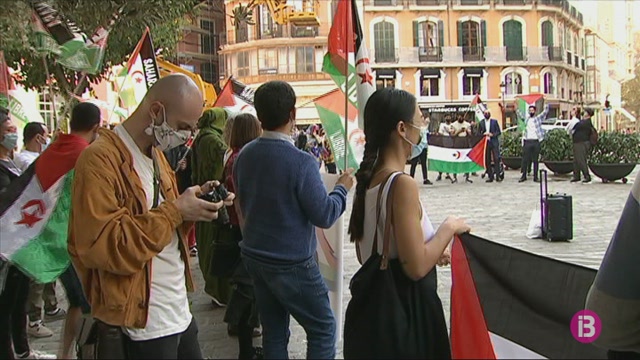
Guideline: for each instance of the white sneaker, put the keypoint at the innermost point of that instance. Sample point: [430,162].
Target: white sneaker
[38,330]
[35,354]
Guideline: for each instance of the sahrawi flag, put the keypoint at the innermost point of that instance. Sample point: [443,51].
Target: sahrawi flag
[615,293]
[478,108]
[457,155]
[347,62]
[510,304]
[522,105]
[331,110]
[139,74]
[56,35]
[236,98]
[34,213]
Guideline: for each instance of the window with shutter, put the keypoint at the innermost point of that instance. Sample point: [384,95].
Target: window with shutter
[512,38]
[384,42]
[470,41]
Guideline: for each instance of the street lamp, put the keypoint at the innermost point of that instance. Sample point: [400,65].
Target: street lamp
[503,88]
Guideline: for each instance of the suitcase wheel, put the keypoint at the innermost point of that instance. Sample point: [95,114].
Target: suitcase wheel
[624,180]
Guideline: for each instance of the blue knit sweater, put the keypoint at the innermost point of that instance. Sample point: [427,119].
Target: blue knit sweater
[282,197]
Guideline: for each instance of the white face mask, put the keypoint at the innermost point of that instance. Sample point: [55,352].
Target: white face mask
[46,144]
[166,137]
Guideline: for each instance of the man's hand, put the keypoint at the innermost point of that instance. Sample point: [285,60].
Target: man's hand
[445,258]
[489,134]
[194,209]
[182,164]
[346,179]
[210,185]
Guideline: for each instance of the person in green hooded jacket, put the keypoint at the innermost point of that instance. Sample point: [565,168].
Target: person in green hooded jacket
[208,163]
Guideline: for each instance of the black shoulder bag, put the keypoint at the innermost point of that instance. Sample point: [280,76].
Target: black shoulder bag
[391,316]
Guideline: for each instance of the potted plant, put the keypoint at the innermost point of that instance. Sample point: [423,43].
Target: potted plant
[556,151]
[511,149]
[615,155]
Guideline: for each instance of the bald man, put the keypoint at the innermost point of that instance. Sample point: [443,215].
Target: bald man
[128,228]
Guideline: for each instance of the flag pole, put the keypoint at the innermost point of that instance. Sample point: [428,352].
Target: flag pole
[53,98]
[348,31]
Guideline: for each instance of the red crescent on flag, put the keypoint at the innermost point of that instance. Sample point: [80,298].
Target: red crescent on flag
[457,154]
[31,218]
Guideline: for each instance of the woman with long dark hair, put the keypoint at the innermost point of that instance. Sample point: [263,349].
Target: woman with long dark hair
[392,122]
[241,314]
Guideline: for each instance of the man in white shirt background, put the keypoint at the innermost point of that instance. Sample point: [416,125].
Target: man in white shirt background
[461,128]
[445,130]
[42,297]
[531,138]
[576,114]
[36,138]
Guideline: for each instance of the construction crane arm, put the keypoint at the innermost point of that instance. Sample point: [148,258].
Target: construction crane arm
[283,14]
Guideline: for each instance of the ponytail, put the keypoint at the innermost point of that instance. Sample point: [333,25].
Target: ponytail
[363,178]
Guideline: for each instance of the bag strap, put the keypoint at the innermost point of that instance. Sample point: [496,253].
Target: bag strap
[374,246]
[387,226]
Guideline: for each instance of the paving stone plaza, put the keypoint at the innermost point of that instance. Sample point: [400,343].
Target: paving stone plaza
[496,211]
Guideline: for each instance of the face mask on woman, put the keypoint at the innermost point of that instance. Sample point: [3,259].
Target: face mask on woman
[416,149]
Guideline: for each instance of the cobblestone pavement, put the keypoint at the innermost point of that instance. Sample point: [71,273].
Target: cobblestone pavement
[496,211]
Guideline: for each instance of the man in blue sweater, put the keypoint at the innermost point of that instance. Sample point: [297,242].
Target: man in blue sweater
[282,198]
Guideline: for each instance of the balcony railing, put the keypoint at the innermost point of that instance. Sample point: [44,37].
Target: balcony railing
[471,2]
[515,2]
[238,36]
[516,53]
[385,2]
[472,53]
[426,54]
[457,55]
[555,53]
[428,2]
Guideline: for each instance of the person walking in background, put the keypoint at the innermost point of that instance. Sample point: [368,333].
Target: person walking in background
[241,313]
[581,146]
[415,247]
[282,198]
[461,128]
[42,297]
[14,285]
[490,127]
[328,158]
[421,159]
[209,148]
[445,130]
[531,138]
[576,114]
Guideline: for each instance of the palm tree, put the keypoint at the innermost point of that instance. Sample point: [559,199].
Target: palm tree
[243,15]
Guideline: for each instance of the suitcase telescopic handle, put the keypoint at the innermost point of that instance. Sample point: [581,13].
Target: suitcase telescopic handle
[544,192]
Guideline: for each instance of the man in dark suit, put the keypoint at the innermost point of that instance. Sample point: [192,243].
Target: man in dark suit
[490,127]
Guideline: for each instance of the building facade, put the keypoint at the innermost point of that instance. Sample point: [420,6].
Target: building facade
[448,51]
[201,39]
[255,54]
[610,61]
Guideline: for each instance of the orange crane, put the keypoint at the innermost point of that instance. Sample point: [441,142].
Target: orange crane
[209,95]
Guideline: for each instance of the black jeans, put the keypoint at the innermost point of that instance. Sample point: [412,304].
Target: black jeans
[531,152]
[492,152]
[580,153]
[13,315]
[422,159]
[184,345]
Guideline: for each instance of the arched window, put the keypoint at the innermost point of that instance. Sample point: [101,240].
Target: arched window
[384,42]
[513,82]
[512,38]
[471,39]
[549,79]
[546,30]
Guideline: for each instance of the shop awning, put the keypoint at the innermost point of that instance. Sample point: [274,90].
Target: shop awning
[430,73]
[385,73]
[474,72]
